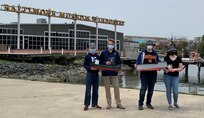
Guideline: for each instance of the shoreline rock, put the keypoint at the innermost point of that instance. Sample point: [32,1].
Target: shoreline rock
[42,72]
[72,72]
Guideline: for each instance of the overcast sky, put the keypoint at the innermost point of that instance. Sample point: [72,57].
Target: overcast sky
[157,18]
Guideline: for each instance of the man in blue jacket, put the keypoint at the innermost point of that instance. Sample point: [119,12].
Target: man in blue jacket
[148,78]
[111,57]
[92,78]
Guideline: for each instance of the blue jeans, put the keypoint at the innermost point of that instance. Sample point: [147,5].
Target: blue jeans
[147,81]
[171,83]
[92,80]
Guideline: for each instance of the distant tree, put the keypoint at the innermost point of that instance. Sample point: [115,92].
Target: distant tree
[182,46]
[192,45]
[142,46]
[162,46]
[201,47]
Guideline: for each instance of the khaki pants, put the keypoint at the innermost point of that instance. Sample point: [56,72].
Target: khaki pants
[115,83]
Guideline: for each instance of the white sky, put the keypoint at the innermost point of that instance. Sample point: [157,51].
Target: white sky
[158,18]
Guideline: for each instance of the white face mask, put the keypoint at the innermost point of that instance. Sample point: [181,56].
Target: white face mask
[110,47]
[149,47]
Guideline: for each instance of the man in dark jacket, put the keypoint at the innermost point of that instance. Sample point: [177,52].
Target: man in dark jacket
[148,78]
[111,57]
[92,78]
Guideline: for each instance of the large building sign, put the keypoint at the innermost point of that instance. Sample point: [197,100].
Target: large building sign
[52,13]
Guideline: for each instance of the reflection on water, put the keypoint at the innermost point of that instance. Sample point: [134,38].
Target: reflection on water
[130,79]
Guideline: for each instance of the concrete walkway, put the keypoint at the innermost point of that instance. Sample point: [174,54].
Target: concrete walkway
[32,99]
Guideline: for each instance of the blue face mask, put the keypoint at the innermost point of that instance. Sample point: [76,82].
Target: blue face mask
[92,51]
[110,47]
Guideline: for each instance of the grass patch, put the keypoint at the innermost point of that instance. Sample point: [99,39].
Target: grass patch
[5,61]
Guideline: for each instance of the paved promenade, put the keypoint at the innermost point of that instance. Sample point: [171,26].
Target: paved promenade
[33,99]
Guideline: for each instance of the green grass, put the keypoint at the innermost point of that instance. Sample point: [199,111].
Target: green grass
[5,61]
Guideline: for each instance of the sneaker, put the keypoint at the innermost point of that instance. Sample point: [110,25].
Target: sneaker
[108,107]
[177,106]
[140,107]
[86,107]
[120,106]
[97,106]
[149,106]
[170,107]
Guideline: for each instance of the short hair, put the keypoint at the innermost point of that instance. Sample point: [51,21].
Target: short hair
[92,45]
[111,40]
[150,42]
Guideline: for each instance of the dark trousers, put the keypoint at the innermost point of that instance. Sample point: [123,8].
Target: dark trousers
[147,82]
[92,81]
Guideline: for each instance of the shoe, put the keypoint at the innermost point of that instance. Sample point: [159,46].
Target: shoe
[120,106]
[97,106]
[170,107]
[140,107]
[149,106]
[108,107]
[177,106]
[86,107]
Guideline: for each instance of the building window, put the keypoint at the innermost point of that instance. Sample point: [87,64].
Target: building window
[4,31]
[21,32]
[102,44]
[71,44]
[46,33]
[79,34]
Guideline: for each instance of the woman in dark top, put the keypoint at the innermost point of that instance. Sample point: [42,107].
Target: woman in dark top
[171,75]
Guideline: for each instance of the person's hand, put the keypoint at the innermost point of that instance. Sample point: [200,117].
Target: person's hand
[172,70]
[166,71]
[93,68]
[108,63]
[111,60]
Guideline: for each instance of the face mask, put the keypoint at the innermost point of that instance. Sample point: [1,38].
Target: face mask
[92,51]
[149,47]
[172,53]
[110,47]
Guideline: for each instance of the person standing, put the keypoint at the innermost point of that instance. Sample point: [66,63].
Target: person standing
[92,78]
[148,78]
[171,75]
[111,57]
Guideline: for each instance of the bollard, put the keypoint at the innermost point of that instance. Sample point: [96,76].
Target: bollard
[9,49]
[62,51]
[50,50]
[41,50]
